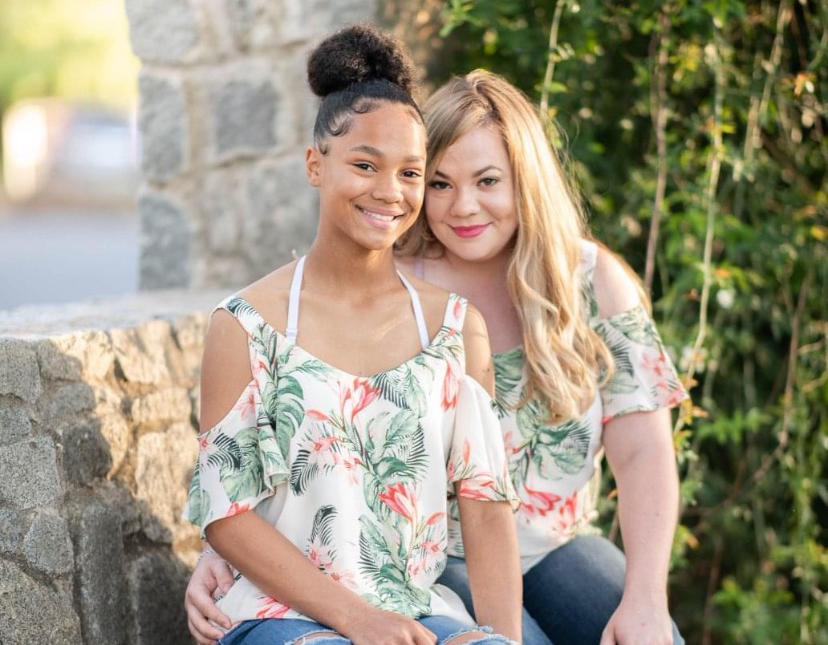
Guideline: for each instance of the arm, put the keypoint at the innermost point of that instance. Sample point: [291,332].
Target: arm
[489,538]
[639,450]
[257,549]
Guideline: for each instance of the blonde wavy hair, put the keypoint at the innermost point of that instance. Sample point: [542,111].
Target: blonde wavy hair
[565,358]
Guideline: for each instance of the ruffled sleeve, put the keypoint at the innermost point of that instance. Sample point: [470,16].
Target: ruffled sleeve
[644,378]
[239,463]
[477,458]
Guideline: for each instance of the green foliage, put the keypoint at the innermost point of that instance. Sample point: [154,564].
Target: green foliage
[76,50]
[745,158]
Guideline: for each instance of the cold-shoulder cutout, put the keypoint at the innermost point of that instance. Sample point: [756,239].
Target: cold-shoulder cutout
[479,364]
[615,285]
[225,368]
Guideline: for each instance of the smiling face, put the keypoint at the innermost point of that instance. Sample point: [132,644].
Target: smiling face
[370,180]
[470,202]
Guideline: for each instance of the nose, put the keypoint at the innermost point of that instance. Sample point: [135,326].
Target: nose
[387,189]
[465,203]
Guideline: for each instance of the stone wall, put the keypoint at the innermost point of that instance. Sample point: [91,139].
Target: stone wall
[97,444]
[225,116]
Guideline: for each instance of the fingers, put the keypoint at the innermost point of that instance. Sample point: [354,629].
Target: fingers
[203,632]
[200,606]
[423,636]
[201,610]
[608,636]
[222,574]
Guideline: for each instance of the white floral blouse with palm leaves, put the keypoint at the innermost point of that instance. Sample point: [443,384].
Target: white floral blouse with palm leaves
[354,471]
[555,469]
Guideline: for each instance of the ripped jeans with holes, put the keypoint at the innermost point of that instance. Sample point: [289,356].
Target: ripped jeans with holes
[287,631]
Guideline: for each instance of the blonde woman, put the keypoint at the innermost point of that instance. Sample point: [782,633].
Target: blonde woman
[579,371]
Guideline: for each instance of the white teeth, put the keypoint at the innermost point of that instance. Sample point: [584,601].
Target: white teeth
[380,218]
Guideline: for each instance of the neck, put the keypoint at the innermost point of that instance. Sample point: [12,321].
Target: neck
[339,270]
[491,272]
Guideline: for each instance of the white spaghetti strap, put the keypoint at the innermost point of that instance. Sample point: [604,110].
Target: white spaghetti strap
[418,311]
[293,304]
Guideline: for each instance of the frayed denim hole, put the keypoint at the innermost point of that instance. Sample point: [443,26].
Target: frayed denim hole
[319,636]
[485,636]
[463,631]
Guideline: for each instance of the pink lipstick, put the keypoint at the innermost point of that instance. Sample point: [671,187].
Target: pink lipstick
[469,231]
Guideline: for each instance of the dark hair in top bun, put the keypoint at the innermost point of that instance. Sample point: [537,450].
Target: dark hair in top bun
[352,71]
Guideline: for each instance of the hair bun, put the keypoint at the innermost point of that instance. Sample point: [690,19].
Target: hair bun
[358,53]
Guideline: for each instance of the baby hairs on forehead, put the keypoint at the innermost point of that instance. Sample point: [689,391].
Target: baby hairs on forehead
[335,116]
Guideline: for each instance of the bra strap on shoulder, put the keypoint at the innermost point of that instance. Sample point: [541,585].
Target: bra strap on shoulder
[293,304]
[418,310]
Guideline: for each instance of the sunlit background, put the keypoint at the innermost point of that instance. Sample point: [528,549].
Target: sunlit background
[68,229]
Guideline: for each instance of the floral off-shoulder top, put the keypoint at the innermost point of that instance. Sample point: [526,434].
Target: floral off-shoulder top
[555,469]
[354,471]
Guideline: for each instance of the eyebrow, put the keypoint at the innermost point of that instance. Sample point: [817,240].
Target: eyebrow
[375,152]
[476,174]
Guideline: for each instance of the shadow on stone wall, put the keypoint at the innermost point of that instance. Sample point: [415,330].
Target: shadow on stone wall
[96,450]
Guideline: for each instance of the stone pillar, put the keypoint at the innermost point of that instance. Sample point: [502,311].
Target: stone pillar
[224,118]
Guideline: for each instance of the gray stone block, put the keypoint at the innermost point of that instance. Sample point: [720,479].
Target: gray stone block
[253,22]
[162,405]
[100,579]
[156,590]
[283,215]
[140,353]
[244,116]
[68,401]
[55,365]
[118,436]
[9,531]
[19,373]
[29,474]
[32,613]
[14,425]
[162,31]
[75,356]
[166,242]
[219,203]
[162,121]
[47,546]
[85,452]
[163,466]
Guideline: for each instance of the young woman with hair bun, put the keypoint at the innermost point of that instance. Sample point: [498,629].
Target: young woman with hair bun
[342,402]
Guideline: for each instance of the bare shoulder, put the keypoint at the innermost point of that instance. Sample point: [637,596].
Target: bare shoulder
[269,295]
[434,301]
[478,350]
[225,367]
[617,288]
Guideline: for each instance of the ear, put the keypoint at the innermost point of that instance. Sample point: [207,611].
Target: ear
[313,166]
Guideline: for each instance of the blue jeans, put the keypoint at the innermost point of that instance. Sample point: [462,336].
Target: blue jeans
[568,597]
[284,631]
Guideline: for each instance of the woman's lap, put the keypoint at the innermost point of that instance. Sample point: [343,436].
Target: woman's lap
[569,596]
[286,631]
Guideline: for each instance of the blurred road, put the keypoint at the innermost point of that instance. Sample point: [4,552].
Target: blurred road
[50,258]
